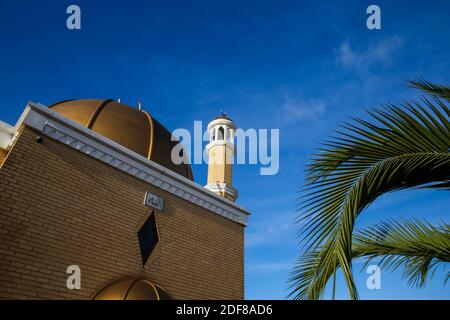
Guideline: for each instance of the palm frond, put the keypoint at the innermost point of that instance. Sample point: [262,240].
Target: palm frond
[311,273]
[416,245]
[431,88]
[401,147]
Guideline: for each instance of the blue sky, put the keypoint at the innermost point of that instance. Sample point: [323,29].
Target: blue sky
[301,67]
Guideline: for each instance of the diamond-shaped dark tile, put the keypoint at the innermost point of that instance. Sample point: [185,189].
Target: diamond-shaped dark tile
[148,237]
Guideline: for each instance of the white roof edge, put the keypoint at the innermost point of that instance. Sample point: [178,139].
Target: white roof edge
[219,121]
[6,135]
[58,127]
[4,127]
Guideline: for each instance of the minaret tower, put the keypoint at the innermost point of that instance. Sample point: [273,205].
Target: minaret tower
[220,153]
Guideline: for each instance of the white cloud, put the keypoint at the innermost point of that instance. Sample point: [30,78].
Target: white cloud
[272,230]
[301,109]
[380,53]
[270,266]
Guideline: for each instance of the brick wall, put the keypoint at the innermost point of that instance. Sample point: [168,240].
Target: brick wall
[59,207]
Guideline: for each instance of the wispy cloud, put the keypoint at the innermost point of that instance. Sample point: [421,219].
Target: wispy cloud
[270,266]
[280,229]
[295,109]
[378,54]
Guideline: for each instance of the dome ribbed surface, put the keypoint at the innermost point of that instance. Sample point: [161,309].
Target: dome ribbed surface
[132,128]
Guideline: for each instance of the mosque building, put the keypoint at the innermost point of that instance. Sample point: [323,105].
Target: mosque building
[89,196]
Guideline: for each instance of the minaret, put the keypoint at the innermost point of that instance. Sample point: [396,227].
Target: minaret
[220,153]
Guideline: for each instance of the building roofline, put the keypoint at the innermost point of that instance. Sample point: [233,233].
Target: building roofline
[70,133]
[6,134]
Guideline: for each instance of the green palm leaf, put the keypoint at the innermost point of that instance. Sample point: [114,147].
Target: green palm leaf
[401,147]
[432,88]
[416,245]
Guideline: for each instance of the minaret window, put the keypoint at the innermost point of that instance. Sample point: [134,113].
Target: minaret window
[221,134]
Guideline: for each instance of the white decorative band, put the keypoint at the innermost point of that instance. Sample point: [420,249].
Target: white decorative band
[222,187]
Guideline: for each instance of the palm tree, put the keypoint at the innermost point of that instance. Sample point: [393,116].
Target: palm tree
[403,147]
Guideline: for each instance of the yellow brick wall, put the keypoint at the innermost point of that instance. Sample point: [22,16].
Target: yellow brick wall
[59,207]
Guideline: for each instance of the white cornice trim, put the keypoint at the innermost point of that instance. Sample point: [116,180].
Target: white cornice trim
[7,133]
[97,146]
[222,187]
[228,144]
[221,121]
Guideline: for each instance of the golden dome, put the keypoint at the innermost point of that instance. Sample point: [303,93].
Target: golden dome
[131,289]
[132,128]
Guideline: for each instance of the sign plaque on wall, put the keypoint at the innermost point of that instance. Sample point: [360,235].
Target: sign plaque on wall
[154,201]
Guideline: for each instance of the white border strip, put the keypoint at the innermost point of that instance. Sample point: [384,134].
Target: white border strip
[6,135]
[97,146]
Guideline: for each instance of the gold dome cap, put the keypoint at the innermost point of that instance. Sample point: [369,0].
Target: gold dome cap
[132,128]
[131,289]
